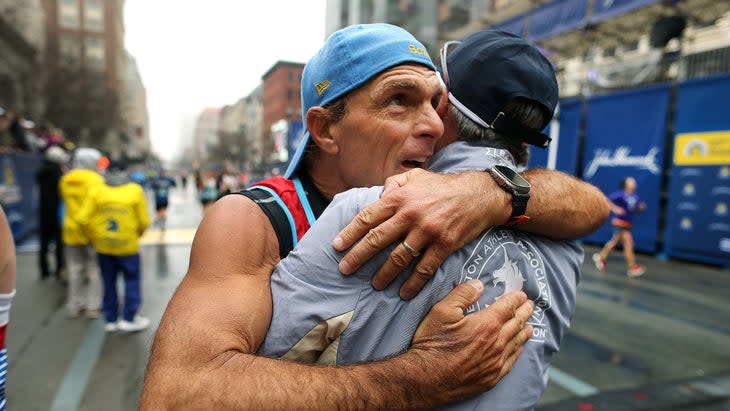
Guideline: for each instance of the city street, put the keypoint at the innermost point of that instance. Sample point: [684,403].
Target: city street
[660,341]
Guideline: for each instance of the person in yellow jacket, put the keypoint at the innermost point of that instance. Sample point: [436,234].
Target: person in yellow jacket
[84,283]
[116,216]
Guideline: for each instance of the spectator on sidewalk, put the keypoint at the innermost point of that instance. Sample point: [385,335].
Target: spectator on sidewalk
[48,178]
[115,215]
[209,190]
[84,284]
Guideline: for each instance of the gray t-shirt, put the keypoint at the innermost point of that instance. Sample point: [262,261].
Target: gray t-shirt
[324,317]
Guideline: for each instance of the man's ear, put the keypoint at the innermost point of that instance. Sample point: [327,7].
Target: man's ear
[318,128]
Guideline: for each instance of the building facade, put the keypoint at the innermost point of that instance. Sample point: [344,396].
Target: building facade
[86,62]
[281,100]
[134,112]
[205,135]
[253,117]
[595,45]
[22,72]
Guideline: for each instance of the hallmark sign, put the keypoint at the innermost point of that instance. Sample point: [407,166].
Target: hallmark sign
[622,157]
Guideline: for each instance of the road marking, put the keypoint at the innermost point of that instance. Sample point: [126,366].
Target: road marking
[169,236]
[69,394]
[570,383]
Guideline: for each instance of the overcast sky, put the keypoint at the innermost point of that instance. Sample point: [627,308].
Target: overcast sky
[194,54]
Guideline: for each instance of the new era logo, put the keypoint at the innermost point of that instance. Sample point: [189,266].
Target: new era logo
[321,87]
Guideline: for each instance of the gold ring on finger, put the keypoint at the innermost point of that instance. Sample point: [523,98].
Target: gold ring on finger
[412,251]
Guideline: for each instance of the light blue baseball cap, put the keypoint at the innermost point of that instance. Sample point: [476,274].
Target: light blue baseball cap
[349,58]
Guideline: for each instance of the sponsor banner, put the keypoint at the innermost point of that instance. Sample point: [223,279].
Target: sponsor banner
[605,9]
[698,206]
[693,149]
[18,192]
[623,141]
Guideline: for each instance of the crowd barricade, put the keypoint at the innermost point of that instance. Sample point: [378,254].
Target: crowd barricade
[19,193]
[625,136]
[675,141]
[698,215]
[562,154]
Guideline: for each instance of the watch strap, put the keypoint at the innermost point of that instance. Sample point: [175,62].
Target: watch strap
[517,220]
[519,204]
[519,201]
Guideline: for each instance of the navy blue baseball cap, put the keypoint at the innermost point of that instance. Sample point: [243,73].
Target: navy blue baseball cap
[490,68]
[348,59]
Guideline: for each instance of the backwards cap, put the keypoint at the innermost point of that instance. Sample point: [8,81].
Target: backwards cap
[489,69]
[349,58]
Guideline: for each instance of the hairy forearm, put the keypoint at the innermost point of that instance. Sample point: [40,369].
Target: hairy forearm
[239,381]
[562,206]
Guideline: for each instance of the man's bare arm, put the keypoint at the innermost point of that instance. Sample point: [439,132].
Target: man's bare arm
[563,207]
[203,353]
[437,214]
[7,256]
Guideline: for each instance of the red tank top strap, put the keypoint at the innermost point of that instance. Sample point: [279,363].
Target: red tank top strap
[286,190]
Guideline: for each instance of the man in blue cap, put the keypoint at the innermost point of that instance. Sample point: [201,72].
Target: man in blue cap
[372,102]
[502,93]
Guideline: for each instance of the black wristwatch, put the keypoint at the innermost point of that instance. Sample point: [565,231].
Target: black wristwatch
[513,183]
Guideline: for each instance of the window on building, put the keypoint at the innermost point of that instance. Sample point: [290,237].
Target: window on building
[498,5]
[95,52]
[96,89]
[291,76]
[70,49]
[68,13]
[94,15]
[344,13]
[631,46]
[453,15]
[367,10]
[289,94]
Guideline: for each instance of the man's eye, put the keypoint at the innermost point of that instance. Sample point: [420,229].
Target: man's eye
[397,100]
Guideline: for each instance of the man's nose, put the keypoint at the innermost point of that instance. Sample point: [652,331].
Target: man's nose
[432,124]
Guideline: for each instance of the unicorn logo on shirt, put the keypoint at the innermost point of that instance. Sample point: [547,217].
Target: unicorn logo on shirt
[505,262]
[509,275]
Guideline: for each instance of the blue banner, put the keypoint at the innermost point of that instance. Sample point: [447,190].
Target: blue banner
[698,216]
[18,192]
[539,156]
[556,17]
[625,135]
[605,9]
[296,131]
[515,25]
[565,139]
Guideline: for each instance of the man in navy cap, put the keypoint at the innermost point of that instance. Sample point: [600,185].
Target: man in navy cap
[502,93]
[372,101]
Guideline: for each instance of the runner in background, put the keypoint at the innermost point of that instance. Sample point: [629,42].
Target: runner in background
[625,204]
[161,186]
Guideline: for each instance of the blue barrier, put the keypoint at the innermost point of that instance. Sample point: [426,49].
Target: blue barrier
[558,16]
[622,141]
[18,192]
[698,210]
[565,143]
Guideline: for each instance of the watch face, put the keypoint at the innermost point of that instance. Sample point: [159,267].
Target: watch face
[521,185]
